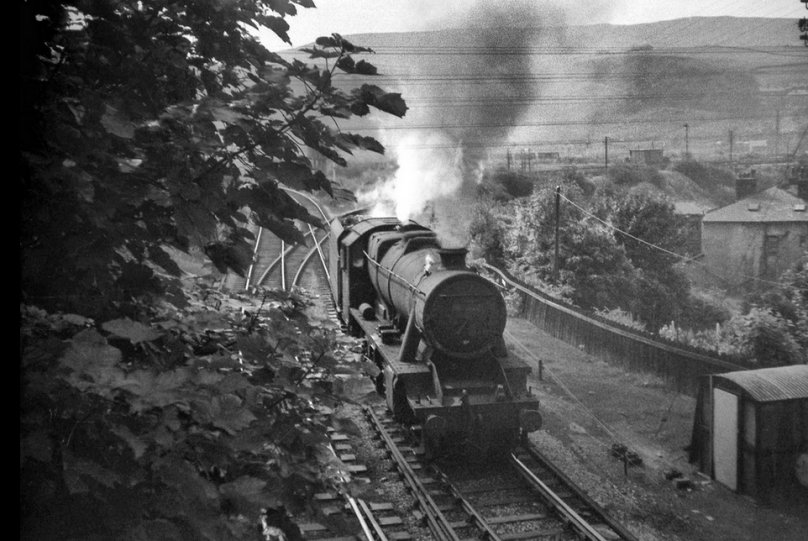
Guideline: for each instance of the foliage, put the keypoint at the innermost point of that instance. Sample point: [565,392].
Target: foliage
[486,235]
[700,313]
[773,331]
[185,428]
[153,124]
[765,337]
[506,185]
[571,175]
[151,409]
[788,306]
[618,315]
[651,234]
[720,183]
[631,175]
[621,255]
[591,263]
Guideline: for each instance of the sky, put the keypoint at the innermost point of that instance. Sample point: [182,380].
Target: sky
[348,17]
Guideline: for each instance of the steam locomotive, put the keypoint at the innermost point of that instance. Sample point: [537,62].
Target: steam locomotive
[434,328]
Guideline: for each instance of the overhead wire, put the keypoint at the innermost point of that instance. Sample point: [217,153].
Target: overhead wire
[661,249]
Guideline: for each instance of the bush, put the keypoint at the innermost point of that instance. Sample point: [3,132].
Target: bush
[766,337]
[699,313]
[622,317]
[631,175]
[710,178]
[487,240]
[507,185]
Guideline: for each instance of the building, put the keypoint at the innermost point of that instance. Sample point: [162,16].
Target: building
[757,237]
[649,156]
[750,431]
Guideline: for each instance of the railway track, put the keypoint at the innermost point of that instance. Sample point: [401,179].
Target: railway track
[519,496]
[280,266]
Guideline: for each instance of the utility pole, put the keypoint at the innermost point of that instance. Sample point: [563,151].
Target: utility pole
[557,220]
[687,142]
[606,153]
[777,136]
[731,140]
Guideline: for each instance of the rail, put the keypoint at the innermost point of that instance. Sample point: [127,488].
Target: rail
[581,526]
[578,493]
[438,523]
[317,248]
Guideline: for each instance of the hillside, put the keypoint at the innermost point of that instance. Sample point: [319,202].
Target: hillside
[689,32]
[564,89]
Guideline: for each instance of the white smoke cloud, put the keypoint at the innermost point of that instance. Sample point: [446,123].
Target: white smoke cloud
[429,168]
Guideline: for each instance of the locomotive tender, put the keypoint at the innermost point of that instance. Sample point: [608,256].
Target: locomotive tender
[434,329]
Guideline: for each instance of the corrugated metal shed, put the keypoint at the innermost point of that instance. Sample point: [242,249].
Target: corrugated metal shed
[772,205]
[771,384]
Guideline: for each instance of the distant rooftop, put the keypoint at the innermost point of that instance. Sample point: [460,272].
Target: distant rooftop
[772,205]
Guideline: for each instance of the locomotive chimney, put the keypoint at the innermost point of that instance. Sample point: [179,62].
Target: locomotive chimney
[453,258]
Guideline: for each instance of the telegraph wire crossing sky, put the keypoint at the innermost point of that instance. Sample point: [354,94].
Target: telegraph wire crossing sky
[348,17]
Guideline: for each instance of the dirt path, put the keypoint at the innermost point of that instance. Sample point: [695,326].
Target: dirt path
[589,405]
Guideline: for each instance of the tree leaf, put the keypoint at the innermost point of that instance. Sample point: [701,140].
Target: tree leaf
[137,445]
[77,471]
[88,359]
[228,413]
[155,390]
[133,331]
[36,445]
[185,479]
[248,495]
[376,97]
[348,65]
[229,255]
[116,124]
[349,140]
[279,26]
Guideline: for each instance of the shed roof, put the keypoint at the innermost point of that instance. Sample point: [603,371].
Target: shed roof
[772,205]
[771,384]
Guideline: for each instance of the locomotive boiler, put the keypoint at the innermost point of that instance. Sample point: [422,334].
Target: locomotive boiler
[434,328]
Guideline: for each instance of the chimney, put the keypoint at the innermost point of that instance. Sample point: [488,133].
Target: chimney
[798,176]
[802,190]
[453,258]
[745,185]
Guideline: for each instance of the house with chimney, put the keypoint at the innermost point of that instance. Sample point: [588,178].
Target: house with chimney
[759,236]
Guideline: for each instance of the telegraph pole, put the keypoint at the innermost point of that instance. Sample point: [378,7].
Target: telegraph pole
[557,220]
[606,153]
[777,135]
[731,140]
[687,142]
